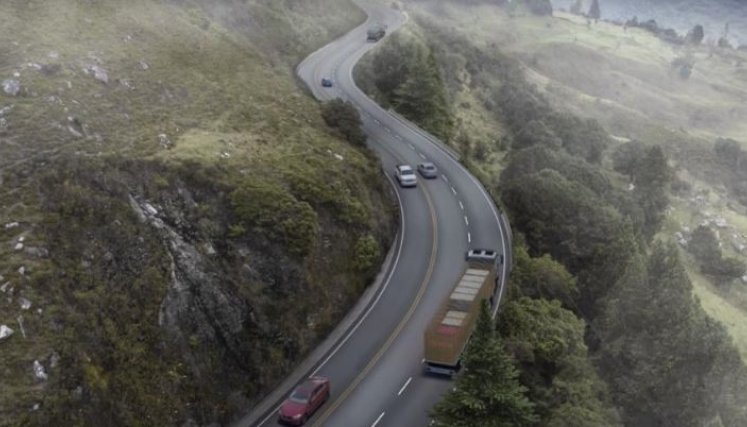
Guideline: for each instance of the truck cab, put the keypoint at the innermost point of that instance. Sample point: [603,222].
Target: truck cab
[376,33]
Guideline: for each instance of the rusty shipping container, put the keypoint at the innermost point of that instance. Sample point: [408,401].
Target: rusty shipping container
[450,328]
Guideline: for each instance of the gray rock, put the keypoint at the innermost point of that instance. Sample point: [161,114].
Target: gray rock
[25,303]
[75,126]
[144,65]
[11,87]
[54,360]
[164,140]
[36,252]
[39,372]
[98,73]
[5,332]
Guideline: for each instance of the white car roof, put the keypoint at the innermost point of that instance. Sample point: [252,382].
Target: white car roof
[404,168]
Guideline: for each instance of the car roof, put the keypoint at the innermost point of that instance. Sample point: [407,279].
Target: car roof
[310,383]
[427,165]
[404,167]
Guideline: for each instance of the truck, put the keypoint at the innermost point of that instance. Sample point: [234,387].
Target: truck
[376,33]
[450,328]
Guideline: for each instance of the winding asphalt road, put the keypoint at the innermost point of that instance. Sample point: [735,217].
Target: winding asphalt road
[376,366]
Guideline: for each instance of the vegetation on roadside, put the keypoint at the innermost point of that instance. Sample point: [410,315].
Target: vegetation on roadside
[189,226]
[642,343]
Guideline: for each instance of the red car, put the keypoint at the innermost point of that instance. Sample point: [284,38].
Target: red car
[304,401]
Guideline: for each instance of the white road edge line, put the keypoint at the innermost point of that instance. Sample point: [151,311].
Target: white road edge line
[453,190]
[461,205]
[422,156]
[469,237]
[446,178]
[371,307]
[383,289]
[466,220]
[401,390]
[378,419]
[411,146]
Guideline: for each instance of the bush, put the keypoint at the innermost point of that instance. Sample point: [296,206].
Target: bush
[272,211]
[344,117]
[367,253]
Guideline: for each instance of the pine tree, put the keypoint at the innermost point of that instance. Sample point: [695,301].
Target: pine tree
[576,7]
[487,391]
[594,12]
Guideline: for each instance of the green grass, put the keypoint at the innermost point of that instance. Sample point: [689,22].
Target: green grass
[221,88]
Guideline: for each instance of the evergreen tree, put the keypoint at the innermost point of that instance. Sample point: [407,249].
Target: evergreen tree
[695,35]
[548,342]
[660,349]
[594,12]
[652,178]
[576,7]
[487,391]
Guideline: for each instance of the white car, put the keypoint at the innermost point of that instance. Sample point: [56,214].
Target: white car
[405,175]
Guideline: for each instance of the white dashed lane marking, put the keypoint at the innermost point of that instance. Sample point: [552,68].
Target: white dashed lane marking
[378,419]
[401,390]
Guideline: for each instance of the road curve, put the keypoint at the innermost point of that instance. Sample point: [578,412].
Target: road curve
[376,366]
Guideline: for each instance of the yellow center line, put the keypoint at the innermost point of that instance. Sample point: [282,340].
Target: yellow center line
[421,291]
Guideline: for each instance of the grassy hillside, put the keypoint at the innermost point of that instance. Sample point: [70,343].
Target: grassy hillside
[184,224]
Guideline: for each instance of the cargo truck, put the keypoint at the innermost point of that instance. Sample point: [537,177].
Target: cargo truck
[450,328]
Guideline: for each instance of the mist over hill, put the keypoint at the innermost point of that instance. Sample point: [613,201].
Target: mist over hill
[681,14]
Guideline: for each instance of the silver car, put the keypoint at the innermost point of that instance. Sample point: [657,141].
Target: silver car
[405,176]
[428,170]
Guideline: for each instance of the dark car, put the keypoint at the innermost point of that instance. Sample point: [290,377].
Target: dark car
[428,170]
[326,82]
[305,399]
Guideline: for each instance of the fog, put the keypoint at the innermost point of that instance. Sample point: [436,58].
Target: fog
[681,15]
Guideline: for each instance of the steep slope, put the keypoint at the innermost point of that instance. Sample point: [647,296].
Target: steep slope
[174,210]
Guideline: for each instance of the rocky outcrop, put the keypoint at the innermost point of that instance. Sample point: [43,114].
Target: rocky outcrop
[196,305]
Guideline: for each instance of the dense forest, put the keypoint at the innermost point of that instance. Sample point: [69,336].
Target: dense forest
[601,326]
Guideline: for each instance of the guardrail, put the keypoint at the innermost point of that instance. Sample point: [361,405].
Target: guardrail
[425,134]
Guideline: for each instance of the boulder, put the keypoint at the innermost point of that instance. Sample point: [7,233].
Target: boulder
[164,140]
[39,372]
[11,87]
[5,332]
[25,303]
[98,73]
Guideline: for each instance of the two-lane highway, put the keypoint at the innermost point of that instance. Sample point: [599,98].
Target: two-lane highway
[376,368]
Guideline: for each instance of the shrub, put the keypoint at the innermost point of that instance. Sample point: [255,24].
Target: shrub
[343,116]
[367,253]
[271,210]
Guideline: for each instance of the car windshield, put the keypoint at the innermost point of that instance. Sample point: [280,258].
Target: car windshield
[428,166]
[300,395]
[407,172]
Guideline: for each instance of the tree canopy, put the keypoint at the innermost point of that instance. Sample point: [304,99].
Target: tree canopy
[487,391]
